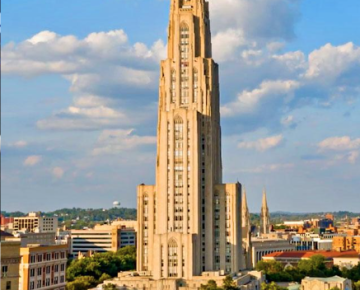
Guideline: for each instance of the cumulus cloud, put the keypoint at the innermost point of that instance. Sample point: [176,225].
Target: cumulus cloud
[269,91]
[116,141]
[353,156]
[32,160]
[86,113]
[258,19]
[337,64]
[339,143]
[19,144]
[58,172]
[262,144]
[101,66]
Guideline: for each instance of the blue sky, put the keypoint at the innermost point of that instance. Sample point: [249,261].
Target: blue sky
[79,100]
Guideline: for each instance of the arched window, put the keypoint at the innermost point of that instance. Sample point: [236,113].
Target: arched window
[173,258]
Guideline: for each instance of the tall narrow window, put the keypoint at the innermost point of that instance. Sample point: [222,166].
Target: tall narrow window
[184,49]
[173,86]
[196,85]
[146,231]
[173,258]
[179,173]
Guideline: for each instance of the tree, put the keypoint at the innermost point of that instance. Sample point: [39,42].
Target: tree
[103,266]
[211,285]
[229,284]
[270,267]
[357,285]
[271,286]
[104,277]
[82,283]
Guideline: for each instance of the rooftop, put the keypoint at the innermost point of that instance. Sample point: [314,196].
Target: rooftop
[309,254]
[330,279]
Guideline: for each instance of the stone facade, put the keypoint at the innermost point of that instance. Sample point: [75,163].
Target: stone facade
[189,222]
[326,283]
[10,262]
[43,267]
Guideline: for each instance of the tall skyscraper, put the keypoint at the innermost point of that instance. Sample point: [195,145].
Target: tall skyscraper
[264,216]
[189,222]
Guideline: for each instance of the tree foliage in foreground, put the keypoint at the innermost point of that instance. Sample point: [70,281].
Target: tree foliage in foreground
[313,267]
[100,267]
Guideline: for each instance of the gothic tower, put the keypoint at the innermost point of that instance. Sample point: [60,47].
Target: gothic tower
[246,231]
[264,216]
[189,221]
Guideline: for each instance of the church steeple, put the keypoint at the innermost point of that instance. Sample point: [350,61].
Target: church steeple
[264,215]
[246,232]
[245,213]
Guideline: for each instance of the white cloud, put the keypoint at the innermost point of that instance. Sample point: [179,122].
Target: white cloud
[353,156]
[19,144]
[32,160]
[269,91]
[102,65]
[116,141]
[339,143]
[58,172]
[262,144]
[330,63]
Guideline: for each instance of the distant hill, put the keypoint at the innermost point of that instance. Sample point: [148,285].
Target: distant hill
[78,217]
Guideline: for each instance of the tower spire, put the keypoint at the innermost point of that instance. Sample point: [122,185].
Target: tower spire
[264,215]
[245,212]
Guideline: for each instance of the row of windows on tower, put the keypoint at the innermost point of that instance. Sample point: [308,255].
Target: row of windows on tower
[185,75]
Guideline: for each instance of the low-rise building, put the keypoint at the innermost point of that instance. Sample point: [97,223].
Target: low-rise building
[35,238]
[347,261]
[294,257]
[43,267]
[10,261]
[34,222]
[105,238]
[262,247]
[326,283]
[247,280]
[342,243]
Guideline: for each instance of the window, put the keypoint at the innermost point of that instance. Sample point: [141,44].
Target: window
[32,285]
[196,84]
[173,258]
[62,279]
[47,282]
[184,47]
[173,86]
[56,280]
[8,285]
[32,259]
[38,284]
[48,270]
[39,271]
[32,272]
[56,268]
[4,270]
[62,267]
